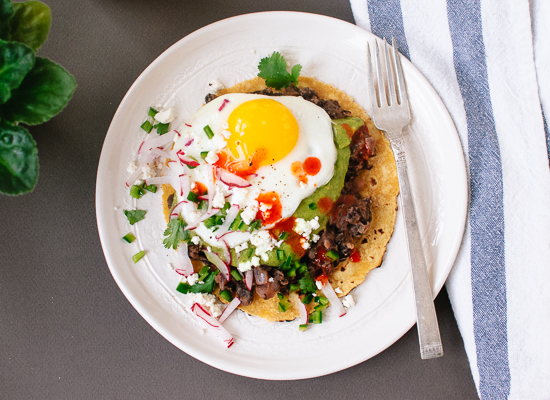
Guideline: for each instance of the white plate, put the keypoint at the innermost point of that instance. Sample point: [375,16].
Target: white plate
[334,52]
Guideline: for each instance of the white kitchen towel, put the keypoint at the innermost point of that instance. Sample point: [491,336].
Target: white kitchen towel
[489,60]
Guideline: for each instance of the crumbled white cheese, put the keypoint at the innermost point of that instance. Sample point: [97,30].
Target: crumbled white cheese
[165,116]
[211,157]
[245,266]
[305,244]
[218,141]
[304,228]
[238,196]
[225,125]
[263,242]
[249,213]
[132,167]
[195,239]
[241,247]
[148,171]
[219,198]
[271,279]
[315,238]
[215,86]
[319,285]
[338,290]
[192,279]
[348,301]
[226,134]
[264,207]
[209,301]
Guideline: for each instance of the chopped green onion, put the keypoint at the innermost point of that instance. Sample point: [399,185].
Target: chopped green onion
[292,272]
[319,307]
[284,304]
[212,221]
[284,235]
[204,154]
[281,255]
[203,273]
[243,227]
[129,238]
[226,295]
[332,255]
[138,256]
[235,274]
[322,300]
[313,206]
[208,132]
[303,327]
[147,126]
[136,191]
[183,288]
[162,128]
[302,268]
[307,298]
[192,196]
[150,188]
[256,224]
[288,261]
[152,112]
[316,317]
[246,254]
[293,287]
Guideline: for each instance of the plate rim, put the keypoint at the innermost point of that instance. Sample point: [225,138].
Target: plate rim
[136,302]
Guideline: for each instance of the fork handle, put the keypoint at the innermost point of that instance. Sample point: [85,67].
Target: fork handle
[428,328]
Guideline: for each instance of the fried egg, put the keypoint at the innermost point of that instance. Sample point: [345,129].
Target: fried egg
[281,145]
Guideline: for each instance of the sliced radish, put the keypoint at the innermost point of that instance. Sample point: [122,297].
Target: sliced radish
[223,104]
[158,180]
[230,179]
[160,153]
[158,141]
[187,160]
[195,223]
[210,186]
[184,260]
[248,278]
[218,262]
[184,186]
[213,324]
[226,252]
[189,142]
[229,309]
[303,312]
[229,218]
[331,295]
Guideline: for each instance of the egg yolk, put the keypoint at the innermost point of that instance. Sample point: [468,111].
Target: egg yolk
[262,126]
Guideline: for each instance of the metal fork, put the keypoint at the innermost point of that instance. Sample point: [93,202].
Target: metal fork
[390,113]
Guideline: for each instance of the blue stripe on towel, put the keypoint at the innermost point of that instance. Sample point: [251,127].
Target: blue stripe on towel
[547,133]
[386,21]
[486,209]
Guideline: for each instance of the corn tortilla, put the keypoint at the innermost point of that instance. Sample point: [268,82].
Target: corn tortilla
[380,182]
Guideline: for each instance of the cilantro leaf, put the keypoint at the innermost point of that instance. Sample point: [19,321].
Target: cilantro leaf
[207,286]
[273,70]
[175,233]
[307,284]
[134,215]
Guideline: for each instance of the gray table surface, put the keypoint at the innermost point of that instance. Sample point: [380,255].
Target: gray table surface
[66,330]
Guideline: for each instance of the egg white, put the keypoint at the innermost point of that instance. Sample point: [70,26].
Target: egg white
[315,139]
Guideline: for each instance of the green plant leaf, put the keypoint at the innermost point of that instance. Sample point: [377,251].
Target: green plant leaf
[18,159]
[6,12]
[44,92]
[30,23]
[16,60]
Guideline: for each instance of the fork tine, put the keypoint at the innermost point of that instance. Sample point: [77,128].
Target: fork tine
[389,76]
[380,89]
[401,89]
[370,79]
